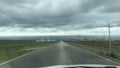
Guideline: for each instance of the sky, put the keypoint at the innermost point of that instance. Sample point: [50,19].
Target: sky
[59,17]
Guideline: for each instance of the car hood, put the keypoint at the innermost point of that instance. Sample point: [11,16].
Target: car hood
[83,66]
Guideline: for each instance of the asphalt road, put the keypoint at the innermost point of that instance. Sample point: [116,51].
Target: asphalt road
[57,54]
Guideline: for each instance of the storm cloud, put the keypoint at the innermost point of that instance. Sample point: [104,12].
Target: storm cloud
[59,14]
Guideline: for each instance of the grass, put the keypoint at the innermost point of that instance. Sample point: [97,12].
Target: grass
[101,48]
[10,49]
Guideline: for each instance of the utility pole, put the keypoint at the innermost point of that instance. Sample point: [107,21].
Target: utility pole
[104,38]
[109,30]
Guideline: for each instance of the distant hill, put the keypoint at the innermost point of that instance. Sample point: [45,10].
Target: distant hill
[68,37]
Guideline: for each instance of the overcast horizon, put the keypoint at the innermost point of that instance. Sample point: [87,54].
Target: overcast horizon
[59,17]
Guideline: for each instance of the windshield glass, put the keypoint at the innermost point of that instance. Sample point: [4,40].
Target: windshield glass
[45,33]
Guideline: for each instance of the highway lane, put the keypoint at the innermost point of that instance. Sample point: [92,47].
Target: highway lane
[57,54]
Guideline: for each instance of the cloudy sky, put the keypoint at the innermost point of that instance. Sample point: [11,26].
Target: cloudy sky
[59,17]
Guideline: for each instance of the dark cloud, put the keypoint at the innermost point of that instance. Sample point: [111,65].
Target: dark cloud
[111,9]
[59,14]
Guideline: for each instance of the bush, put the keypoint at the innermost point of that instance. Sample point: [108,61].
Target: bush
[112,54]
[101,53]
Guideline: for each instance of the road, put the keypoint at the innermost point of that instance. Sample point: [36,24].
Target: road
[57,54]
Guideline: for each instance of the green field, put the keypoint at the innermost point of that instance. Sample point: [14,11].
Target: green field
[101,48]
[10,49]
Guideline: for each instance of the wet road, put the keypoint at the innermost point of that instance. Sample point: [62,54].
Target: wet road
[57,54]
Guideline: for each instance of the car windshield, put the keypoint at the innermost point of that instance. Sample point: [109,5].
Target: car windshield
[59,33]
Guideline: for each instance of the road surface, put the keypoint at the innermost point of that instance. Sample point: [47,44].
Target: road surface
[57,54]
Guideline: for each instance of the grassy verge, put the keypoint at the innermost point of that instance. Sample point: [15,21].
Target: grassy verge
[101,48]
[10,49]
